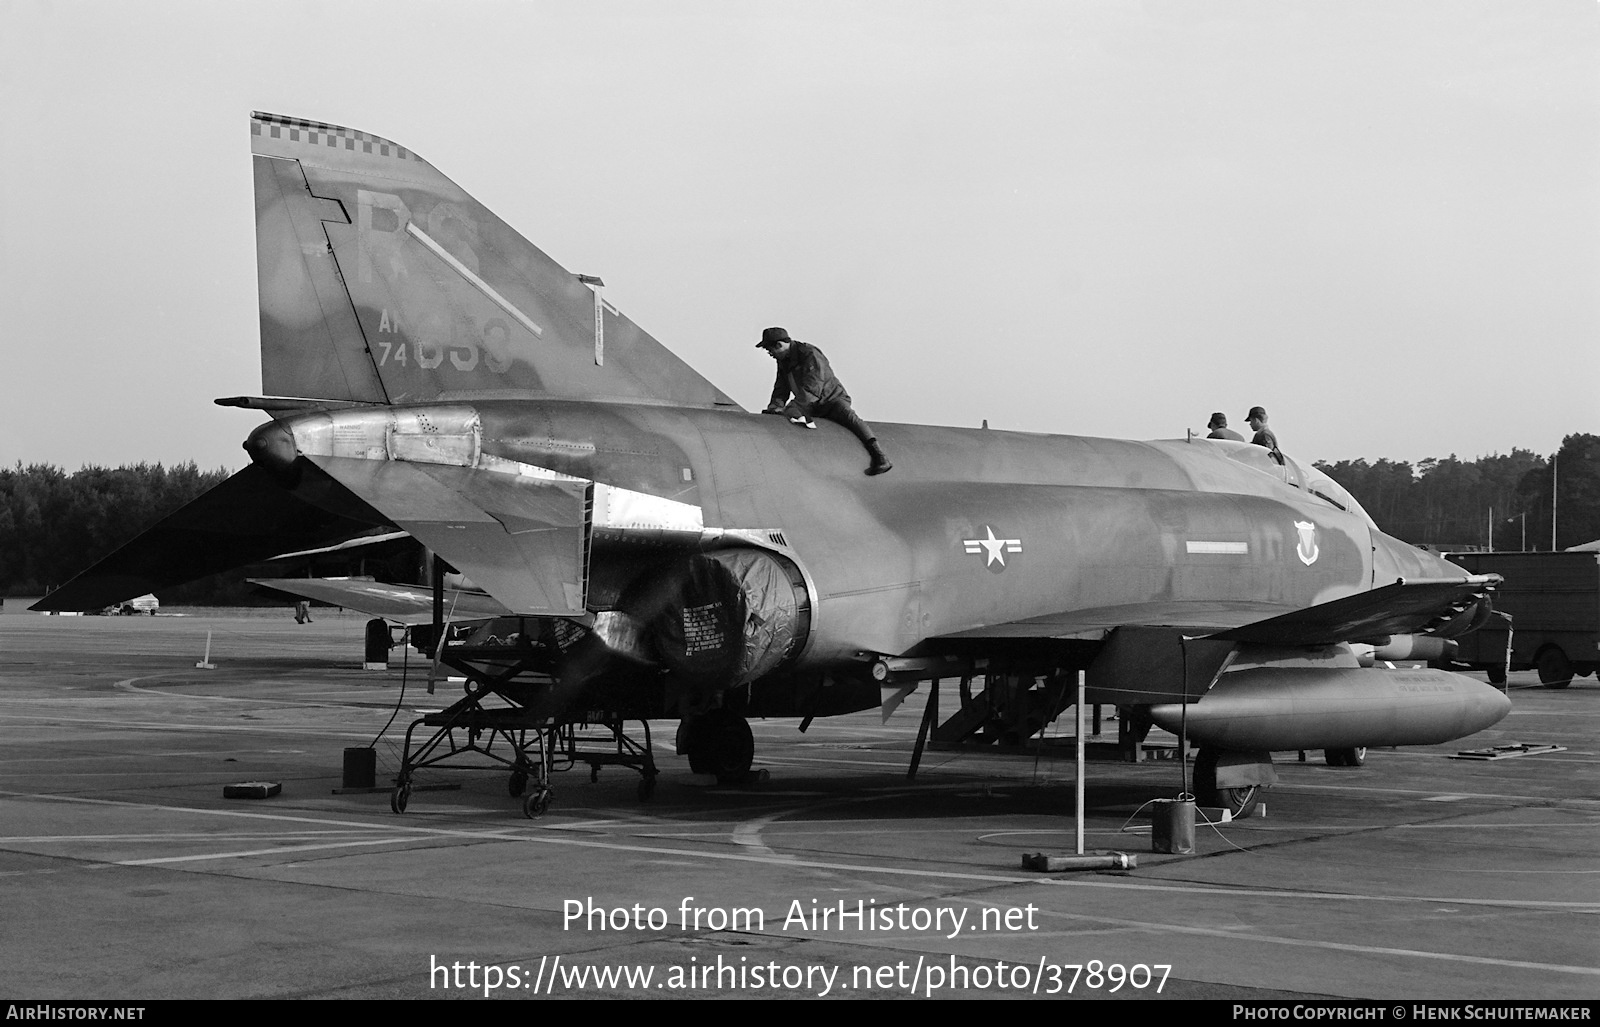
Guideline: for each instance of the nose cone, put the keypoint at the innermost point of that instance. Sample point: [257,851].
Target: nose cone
[272,447]
[1489,706]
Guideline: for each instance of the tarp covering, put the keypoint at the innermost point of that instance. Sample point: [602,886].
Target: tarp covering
[722,618]
[772,628]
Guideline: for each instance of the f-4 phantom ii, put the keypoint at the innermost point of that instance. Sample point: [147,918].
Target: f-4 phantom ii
[641,544]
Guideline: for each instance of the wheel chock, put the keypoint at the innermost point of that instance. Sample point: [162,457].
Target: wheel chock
[251,790]
[1088,861]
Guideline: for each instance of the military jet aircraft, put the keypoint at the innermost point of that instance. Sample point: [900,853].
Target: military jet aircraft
[647,546]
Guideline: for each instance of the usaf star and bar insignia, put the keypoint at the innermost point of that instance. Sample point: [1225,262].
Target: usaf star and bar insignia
[994,549]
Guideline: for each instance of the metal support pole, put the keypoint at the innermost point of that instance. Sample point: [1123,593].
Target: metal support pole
[1080,747]
[438,621]
[930,716]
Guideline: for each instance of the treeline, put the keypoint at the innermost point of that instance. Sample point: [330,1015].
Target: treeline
[54,524]
[1453,503]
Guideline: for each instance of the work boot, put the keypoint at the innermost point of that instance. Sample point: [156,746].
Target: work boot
[880,463]
[803,422]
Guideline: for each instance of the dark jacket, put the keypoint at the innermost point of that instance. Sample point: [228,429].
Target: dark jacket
[1265,437]
[805,373]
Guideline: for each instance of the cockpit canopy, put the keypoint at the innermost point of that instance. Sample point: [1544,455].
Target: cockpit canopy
[1293,472]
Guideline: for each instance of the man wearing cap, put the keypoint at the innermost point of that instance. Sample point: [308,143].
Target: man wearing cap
[1220,430]
[1264,436]
[804,374]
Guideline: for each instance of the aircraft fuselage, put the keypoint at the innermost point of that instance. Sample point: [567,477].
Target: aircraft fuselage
[974,527]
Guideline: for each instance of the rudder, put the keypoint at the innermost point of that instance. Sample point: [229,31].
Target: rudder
[382,281]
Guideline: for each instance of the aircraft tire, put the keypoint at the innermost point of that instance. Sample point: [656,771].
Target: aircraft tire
[719,742]
[1555,670]
[647,787]
[1241,802]
[1345,757]
[518,783]
[1496,674]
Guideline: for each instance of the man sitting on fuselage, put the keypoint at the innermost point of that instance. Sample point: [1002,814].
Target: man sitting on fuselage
[803,373]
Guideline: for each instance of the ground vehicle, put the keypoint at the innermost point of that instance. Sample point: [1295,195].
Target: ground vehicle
[146,603]
[1553,599]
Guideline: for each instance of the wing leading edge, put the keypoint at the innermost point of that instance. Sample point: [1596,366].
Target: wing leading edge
[1400,608]
[404,603]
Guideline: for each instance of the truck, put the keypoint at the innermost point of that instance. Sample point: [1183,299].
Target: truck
[146,603]
[1553,602]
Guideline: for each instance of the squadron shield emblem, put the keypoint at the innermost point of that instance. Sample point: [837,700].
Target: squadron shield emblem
[1307,549]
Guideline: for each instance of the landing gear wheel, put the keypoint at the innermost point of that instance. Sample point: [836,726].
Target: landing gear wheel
[1240,802]
[537,804]
[647,787]
[719,742]
[518,783]
[1555,670]
[1345,757]
[1496,674]
[400,797]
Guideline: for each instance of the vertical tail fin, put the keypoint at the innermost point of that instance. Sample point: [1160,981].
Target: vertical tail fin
[383,282]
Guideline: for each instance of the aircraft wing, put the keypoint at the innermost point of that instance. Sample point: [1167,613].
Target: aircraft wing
[248,517]
[1175,651]
[404,603]
[1400,608]
[341,547]
[525,541]
[1195,619]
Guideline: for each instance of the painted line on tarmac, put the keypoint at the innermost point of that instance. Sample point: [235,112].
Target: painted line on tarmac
[265,729]
[1371,950]
[506,835]
[246,853]
[748,835]
[1116,924]
[127,685]
[1424,794]
[102,754]
[173,836]
[794,761]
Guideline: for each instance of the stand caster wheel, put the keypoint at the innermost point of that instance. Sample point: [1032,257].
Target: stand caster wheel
[537,804]
[400,797]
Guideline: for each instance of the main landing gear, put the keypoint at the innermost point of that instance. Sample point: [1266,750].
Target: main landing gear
[1239,798]
[719,742]
[1345,757]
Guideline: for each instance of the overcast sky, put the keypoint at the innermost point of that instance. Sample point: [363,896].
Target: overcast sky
[1379,219]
